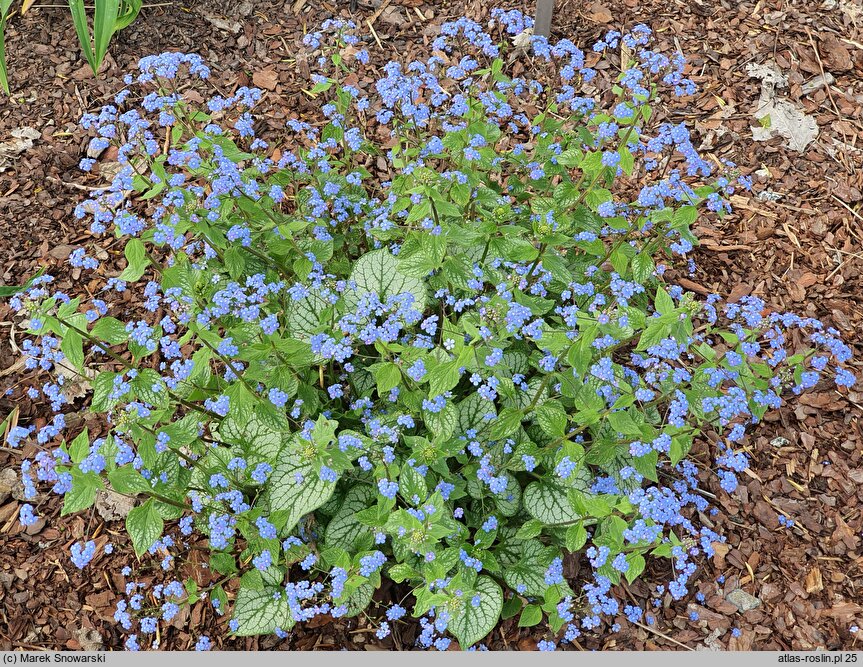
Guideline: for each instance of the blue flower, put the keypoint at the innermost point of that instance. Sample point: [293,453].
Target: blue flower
[26,516]
[396,612]
[371,563]
[554,573]
[387,488]
[417,371]
[82,553]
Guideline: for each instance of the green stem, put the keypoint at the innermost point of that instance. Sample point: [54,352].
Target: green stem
[539,392]
[116,357]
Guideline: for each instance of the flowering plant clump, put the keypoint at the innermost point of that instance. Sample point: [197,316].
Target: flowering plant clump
[427,340]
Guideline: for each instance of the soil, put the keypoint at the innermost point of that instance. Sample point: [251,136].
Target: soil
[796,243]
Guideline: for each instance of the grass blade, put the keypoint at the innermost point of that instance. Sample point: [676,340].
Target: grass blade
[4,80]
[12,290]
[79,19]
[4,11]
[130,11]
[104,26]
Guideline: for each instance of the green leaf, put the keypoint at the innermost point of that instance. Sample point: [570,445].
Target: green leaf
[344,530]
[626,160]
[304,316]
[377,272]
[611,532]
[80,446]
[296,498]
[636,566]
[556,265]
[223,563]
[257,430]
[259,613]
[359,599]
[363,382]
[322,86]
[73,347]
[527,572]
[418,212]
[569,158]
[594,506]
[191,587]
[470,624]
[508,503]
[623,422]
[442,424]
[646,465]
[69,311]
[387,376]
[110,330]
[235,262]
[443,377]
[181,276]
[150,388]
[551,418]
[507,423]
[511,607]
[82,495]
[684,216]
[576,537]
[581,354]
[664,302]
[642,267]
[126,479]
[103,385]
[529,529]
[253,579]
[472,412]
[657,328]
[417,264]
[515,249]
[592,162]
[400,571]
[530,616]
[619,258]
[412,483]
[144,525]
[680,447]
[136,256]
[514,362]
[548,502]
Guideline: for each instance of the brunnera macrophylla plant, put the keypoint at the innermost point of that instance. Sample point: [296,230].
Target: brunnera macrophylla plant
[425,338]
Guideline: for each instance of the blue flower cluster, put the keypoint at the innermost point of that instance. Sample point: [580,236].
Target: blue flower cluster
[456,375]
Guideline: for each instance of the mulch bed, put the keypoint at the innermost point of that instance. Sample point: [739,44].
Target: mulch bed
[796,243]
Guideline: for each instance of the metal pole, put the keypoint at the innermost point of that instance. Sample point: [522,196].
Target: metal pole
[544,13]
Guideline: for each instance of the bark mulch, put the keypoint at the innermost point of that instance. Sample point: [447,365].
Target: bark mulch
[796,243]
